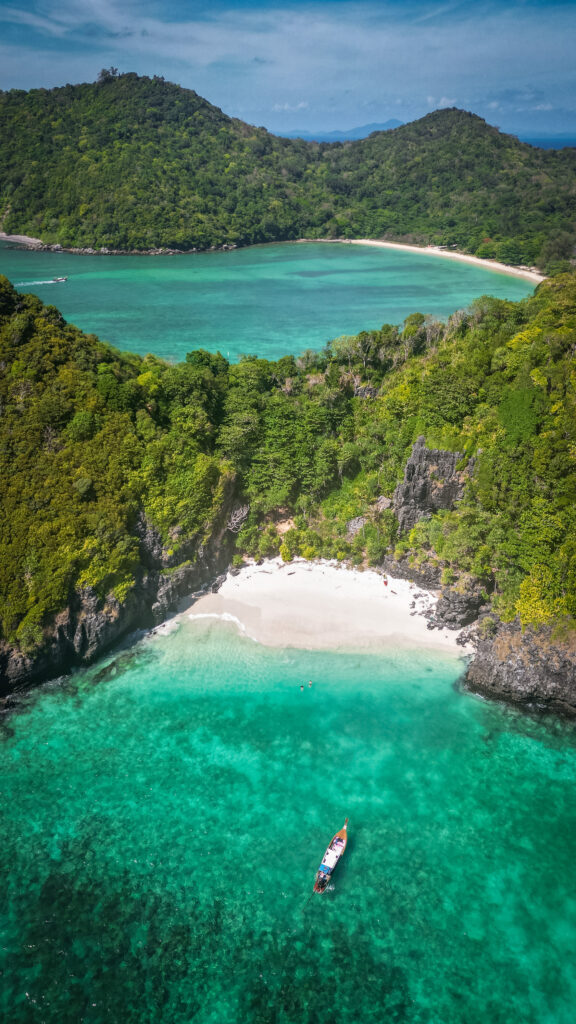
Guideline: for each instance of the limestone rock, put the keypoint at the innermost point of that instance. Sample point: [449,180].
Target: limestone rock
[90,625]
[529,668]
[353,526]
[431,482]
[459,607]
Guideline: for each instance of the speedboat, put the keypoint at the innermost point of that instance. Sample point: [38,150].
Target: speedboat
[330,859]
[59,280]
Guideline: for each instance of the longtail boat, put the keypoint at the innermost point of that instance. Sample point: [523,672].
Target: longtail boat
[330,859]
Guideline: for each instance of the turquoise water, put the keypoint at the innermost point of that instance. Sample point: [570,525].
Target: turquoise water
[270,300]
[164,815]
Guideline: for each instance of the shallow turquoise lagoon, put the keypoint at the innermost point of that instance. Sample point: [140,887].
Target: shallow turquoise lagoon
[270,300]
[165,812]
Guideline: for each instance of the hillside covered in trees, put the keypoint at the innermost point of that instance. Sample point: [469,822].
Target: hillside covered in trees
[134,163]
[94,442]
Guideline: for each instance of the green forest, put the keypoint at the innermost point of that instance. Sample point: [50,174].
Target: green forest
[92,438]
[134,163]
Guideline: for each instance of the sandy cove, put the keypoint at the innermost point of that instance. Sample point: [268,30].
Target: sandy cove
[451,254]
[322,605]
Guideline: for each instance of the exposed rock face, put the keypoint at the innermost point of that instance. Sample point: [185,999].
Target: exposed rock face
[90,625]
[431,482]
[427,576]
[527,668]
[365,391]
[353,526]
[459,607]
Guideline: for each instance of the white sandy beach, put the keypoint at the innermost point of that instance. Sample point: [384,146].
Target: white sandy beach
[451,254]
[322,605]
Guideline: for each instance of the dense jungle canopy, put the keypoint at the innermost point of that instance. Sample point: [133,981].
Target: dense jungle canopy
[92,439]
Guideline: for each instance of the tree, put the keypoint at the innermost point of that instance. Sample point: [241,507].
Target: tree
[107,74]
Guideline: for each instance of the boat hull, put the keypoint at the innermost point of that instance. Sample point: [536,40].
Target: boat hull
[334,852]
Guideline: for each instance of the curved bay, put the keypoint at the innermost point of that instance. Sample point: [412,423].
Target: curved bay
[268,300]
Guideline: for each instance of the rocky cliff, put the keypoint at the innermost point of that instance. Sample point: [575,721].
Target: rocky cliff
[90,625]
[528,668]
[432,481]
[531,669]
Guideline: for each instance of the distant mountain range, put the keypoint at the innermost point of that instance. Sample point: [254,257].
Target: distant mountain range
[350,136]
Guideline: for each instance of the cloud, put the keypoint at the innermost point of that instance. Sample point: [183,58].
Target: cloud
[436,13]
[48,25]
[436,104]
[350,57]
[303,105]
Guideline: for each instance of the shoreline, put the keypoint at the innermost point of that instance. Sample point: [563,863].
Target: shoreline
[528,274]
[452,254]
[325,606]
[21,240]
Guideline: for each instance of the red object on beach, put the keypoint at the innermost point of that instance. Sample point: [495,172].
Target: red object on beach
[330,859]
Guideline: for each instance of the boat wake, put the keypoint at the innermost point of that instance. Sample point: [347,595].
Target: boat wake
[29,284]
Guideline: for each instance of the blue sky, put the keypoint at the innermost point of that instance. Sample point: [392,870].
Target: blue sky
[314,64]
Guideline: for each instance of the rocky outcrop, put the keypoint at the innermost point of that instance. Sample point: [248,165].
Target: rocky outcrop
[353,526]
[425,575]
[529,668]
[26,242]
[431,482]
[91,625]
[459,606]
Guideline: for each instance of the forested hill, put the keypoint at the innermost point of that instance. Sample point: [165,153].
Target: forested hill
[134,163]
[94,444]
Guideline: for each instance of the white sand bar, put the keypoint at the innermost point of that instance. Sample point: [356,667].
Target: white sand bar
[321,605]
